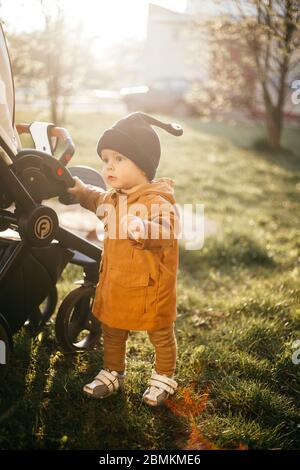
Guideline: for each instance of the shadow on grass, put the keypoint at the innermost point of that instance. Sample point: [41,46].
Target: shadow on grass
[232,250]
[43,405]
[252,379]
[283,157]
[21,391]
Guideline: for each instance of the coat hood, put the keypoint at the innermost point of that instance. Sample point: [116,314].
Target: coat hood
[161,186]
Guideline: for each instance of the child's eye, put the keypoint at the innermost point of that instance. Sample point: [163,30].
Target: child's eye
[119,158]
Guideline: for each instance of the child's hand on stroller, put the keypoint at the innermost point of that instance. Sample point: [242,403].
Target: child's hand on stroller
[133,226]
[77,188]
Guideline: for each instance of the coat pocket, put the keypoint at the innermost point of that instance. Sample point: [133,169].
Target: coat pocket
[126,291]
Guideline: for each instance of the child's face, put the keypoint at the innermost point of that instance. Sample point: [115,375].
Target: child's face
[120,172]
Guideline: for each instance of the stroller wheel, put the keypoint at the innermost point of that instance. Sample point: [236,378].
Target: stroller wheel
[6,344]
[76,328]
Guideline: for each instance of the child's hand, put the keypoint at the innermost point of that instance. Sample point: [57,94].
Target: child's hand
[79,186]
[134,226]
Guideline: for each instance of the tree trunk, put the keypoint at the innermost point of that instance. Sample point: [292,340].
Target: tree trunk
[53,96]
[64,110]
[274,119]
[54,118]
[274,114]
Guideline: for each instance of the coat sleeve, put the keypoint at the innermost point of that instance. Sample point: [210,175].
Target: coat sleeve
[91,197]
[161,229]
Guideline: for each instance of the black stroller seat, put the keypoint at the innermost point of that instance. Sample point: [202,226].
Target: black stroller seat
[28,277]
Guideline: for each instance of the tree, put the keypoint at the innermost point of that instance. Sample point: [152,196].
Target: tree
[256,41]
[272,35]
[28,68]
[61,48]
[55,58]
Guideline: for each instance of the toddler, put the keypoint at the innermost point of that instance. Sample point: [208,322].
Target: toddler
[138,270]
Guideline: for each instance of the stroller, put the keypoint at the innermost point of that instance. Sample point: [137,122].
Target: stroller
[32,261]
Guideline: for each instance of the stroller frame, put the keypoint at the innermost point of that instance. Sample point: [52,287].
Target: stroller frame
[31,266]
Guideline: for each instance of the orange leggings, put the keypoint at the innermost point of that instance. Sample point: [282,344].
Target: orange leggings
[163,340]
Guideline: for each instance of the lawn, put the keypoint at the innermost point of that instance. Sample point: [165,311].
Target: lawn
[238,315]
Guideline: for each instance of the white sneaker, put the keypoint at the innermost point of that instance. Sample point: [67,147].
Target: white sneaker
[161,386]
[105,383]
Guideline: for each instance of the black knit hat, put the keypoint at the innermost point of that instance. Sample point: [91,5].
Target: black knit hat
[134,137]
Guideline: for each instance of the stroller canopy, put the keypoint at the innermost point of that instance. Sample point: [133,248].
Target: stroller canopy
[7,98]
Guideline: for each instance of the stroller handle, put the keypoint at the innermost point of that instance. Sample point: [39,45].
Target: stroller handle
[54,131]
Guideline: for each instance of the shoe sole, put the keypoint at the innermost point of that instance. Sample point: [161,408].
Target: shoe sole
[100,397]
[150,403]
[153,404]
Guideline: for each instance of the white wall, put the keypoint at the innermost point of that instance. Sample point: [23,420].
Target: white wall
[168,49]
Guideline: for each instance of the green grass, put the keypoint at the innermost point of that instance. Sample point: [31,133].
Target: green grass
[238,315]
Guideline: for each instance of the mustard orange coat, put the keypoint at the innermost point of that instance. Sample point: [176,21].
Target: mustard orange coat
[137,279]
